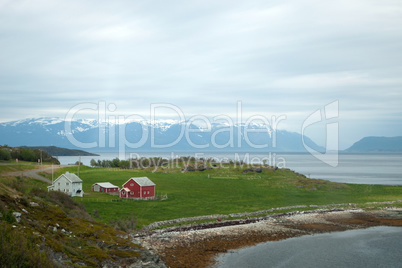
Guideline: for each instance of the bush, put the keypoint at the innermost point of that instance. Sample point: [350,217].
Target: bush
[20,250]
[17,184]
[61,199]
[68,204]
[9,217]
[38,192]
[127,225]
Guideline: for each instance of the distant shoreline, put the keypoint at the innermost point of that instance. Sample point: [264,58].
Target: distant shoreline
[192,152]
[58,151]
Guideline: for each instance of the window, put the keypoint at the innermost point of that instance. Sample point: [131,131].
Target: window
[67,183]
[58,183]
[132,184]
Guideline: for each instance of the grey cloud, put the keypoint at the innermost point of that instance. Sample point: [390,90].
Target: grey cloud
[277,57]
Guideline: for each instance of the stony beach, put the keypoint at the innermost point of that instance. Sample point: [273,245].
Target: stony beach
[198,245]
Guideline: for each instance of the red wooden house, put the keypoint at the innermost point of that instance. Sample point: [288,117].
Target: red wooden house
[138,188]
[105,187]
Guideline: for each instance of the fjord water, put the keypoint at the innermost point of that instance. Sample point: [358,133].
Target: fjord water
[351,168]
[373,247]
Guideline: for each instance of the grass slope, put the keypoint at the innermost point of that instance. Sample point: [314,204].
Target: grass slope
[220,191]
[54,231]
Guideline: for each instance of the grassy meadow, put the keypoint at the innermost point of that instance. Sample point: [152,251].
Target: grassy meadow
[218,191]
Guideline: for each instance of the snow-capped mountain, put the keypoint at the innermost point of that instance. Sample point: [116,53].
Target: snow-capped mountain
[160,135]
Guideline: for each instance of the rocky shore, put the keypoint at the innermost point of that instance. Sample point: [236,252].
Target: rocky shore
[197,245]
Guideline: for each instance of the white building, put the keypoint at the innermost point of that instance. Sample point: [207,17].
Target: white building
[68,183]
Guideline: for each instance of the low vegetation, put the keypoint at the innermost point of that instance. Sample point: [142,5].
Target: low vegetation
[159,162]
[49,229]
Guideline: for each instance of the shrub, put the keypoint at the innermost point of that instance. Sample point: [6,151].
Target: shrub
[9,217]
[127,225]
[20,250]
[17,184]
[38,192]
[72,208]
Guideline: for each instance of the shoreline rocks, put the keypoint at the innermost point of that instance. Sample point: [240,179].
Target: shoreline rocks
[197,246]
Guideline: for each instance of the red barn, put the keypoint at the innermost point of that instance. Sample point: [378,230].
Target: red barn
[105,187]
[138,188]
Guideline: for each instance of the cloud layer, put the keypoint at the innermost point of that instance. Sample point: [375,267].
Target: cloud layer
[276,57]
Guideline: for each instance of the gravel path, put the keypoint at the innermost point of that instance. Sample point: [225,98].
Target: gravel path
[34,173]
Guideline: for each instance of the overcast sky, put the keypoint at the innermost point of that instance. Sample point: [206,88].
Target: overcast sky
[275,57]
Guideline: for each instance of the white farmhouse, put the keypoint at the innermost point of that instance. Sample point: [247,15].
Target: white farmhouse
[68,183]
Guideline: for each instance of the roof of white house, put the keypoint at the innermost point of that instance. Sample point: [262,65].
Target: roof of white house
[70,176]
[142,181]
[106,185]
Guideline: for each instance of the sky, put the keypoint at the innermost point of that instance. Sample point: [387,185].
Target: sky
[283,59]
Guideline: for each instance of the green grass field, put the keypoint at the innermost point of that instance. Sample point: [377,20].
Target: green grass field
[8,166]
[219,191]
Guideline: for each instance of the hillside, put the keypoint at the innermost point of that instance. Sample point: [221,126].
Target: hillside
[377,145]
[8,153]
[57,151]
[48,229]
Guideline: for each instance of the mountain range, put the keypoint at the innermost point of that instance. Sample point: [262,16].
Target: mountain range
[168,135]
[95,136]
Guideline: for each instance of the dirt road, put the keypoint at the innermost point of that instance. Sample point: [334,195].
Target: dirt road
[34,173]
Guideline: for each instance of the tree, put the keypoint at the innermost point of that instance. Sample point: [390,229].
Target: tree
[5,154]
[93,163]
[116,162]
[124,164]
[27,155]
[106,163]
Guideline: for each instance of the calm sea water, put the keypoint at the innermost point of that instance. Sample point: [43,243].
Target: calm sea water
[352,168]
[373,247]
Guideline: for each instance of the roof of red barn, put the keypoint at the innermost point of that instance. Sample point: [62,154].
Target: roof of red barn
[106,185]
[142,181]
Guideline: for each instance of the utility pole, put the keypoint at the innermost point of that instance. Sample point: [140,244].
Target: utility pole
[79,164]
